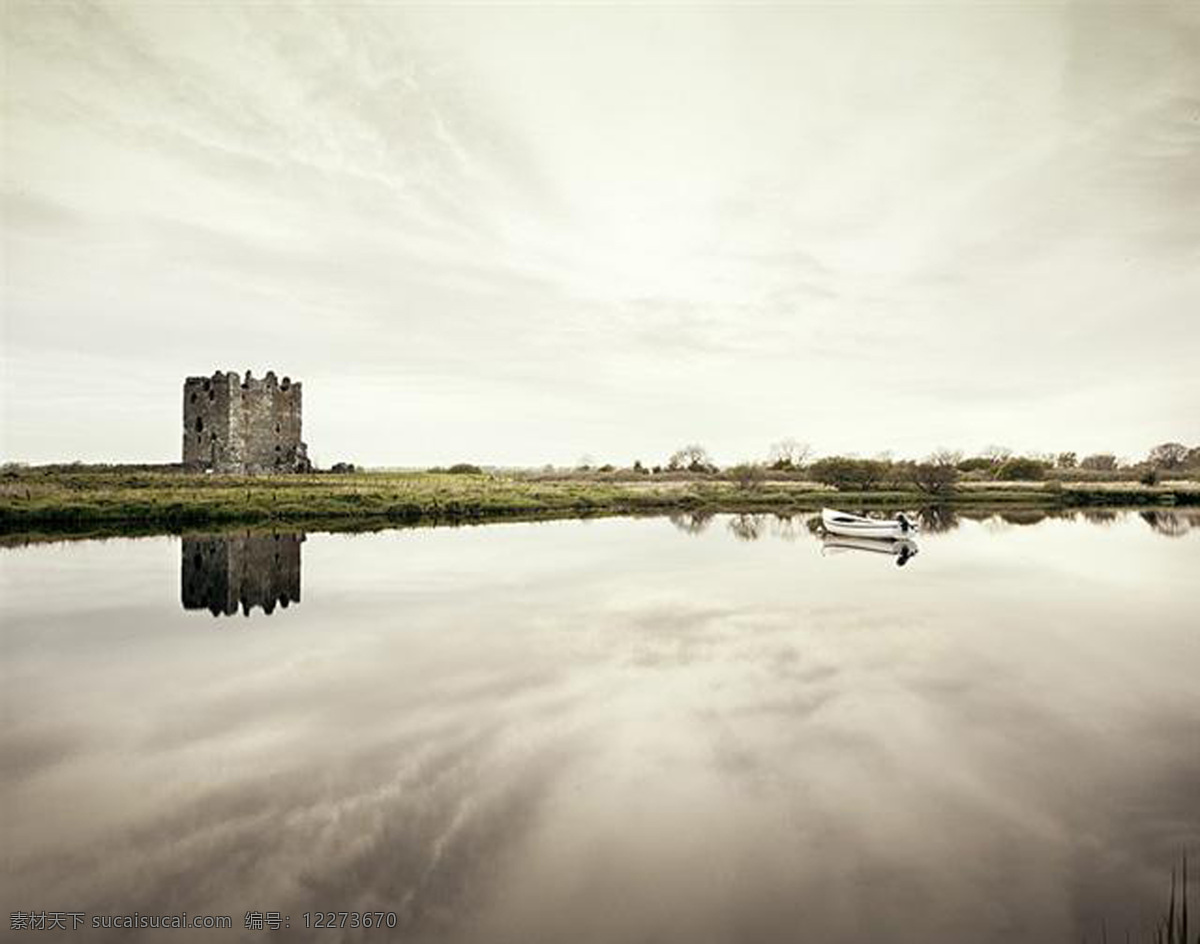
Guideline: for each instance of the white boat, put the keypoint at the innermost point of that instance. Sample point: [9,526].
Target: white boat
[856,526]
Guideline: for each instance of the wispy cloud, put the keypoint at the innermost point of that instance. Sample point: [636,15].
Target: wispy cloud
[607,208]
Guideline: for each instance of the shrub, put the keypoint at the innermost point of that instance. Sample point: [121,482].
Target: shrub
[933,477]
[747,476]
[1021,469]
[846,474]
[1099,462]
[976,464]
[464,468]
[1150,476]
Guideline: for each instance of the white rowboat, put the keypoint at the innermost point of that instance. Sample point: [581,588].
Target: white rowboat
[856,526]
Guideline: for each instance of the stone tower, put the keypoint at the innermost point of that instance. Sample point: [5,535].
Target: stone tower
[242,425]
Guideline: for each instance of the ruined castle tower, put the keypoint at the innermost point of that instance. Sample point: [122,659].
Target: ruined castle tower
[242,425]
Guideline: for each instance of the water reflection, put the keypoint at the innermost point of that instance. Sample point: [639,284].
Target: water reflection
[936,519]
[611,733]
[747,527]
[1023,518]
[1168,523]
[903,551]
[691,522]
[220,572]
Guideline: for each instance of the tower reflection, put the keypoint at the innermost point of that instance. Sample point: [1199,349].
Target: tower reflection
[222,572]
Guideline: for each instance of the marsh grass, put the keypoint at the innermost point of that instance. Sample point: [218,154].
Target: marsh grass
[75,498]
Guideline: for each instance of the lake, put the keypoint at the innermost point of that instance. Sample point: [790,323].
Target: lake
[615,730]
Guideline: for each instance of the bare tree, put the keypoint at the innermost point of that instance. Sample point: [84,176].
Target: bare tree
[1099,462]
[694,458]
[938,474]
[1170,455]
[1066,460]
[789,453]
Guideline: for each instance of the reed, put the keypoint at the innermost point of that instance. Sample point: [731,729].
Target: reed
[1172,927]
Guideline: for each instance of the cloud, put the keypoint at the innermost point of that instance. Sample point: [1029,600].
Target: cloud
[775,200]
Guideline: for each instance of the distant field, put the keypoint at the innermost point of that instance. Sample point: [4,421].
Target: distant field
[77,498]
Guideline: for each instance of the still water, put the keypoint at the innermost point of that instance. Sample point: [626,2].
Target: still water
[624,730]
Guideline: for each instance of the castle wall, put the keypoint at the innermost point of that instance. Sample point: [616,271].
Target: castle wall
[246,425]
[206,420]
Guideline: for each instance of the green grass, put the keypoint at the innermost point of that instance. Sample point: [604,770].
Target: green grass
[83,498]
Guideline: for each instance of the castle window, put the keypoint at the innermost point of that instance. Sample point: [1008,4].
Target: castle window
[193,397]
[199,424]
[276,428]
[212,395]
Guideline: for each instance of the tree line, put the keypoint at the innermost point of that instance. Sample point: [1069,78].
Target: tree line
[936,474]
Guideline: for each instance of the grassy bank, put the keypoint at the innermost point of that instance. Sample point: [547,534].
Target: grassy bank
[142,498]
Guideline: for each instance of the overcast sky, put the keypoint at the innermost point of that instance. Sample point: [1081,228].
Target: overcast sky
[519,235]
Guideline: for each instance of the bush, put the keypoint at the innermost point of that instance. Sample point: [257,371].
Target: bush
[747,476]
[848,474]
[464,468]
[933,477]
[976,464]
[1021,469]
[1150,476]
[1099,462]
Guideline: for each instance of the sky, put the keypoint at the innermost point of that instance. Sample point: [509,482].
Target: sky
[526,234]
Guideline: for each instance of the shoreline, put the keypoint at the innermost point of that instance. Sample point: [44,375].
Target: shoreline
[140,501]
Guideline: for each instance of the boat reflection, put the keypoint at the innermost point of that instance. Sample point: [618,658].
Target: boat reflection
[222,572]
[903,550]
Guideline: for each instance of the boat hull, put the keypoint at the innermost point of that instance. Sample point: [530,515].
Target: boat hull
[876,532]
[856,526]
